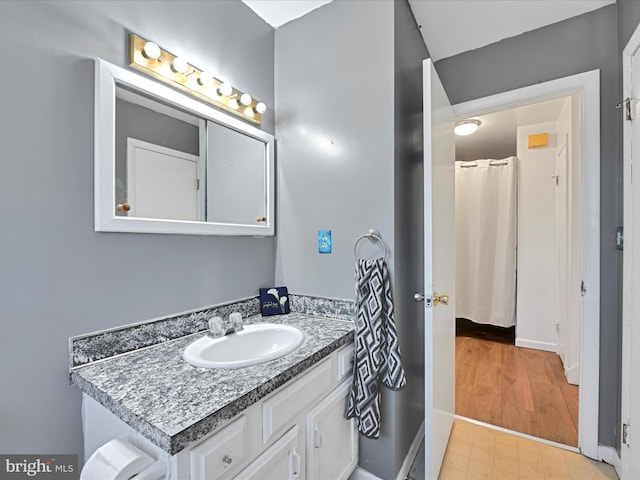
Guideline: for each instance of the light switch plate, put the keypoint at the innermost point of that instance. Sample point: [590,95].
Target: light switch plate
[324,241]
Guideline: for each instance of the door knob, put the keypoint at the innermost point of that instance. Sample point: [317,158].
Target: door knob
[440,299]
[418,297]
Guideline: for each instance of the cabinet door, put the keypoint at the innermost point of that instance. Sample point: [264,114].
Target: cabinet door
[217,456]
[281,461]
[332,440]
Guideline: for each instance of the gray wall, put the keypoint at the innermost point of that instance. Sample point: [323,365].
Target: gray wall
[575,45]
[348,115]
[334,87]
[628,18]
[58,277]
[334,78]
[409,52]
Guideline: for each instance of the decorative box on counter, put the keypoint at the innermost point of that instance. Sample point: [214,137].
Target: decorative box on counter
[274,301]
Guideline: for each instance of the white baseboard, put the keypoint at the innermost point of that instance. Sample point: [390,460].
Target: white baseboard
[549,347]
[362,474]
[573,375]
[411,454]
[609,455]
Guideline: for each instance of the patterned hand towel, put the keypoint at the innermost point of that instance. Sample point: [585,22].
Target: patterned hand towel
[377,351]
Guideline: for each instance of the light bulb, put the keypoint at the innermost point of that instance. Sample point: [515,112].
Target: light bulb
[260,108]
[151,50]
[205,79]
[225,89]
[245,99]
[179,65]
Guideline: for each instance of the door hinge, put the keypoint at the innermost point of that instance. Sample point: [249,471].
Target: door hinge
[625,434]
[583,288]
[197,184]
[627,108]
[619,238]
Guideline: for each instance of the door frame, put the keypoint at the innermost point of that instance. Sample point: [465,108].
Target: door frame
[628,275]
[587,85]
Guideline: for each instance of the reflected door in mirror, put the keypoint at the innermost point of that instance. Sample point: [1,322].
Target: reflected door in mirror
[161,182]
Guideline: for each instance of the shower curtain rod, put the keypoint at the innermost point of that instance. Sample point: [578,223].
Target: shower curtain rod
[492,163]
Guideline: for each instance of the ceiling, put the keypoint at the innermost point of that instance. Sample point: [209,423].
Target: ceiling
[278,12]
[450,27]
[496,137]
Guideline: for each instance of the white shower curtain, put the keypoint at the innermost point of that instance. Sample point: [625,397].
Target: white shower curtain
[486,241]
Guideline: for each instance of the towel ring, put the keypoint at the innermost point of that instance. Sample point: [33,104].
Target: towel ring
[371,234]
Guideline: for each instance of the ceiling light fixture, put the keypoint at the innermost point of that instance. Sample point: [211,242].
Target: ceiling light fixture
[467,127]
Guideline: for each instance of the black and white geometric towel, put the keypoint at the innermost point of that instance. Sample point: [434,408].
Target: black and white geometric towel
[377,359]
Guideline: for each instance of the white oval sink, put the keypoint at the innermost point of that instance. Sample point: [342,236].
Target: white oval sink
[252,345]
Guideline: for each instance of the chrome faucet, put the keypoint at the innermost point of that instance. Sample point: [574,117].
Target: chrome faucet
[234,324]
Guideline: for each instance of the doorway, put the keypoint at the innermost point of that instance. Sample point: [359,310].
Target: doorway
[583,90]
[517,226]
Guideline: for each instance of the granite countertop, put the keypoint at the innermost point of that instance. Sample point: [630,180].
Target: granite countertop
[174,404]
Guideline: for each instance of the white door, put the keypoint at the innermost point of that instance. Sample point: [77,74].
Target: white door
[439,269]
[629,451]
[161,182]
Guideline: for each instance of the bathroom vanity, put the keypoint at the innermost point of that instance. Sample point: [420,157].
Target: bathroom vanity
[283,419]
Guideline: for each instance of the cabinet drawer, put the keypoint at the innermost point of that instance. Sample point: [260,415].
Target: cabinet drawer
[220,454]
[345,361]
[281,461]
[278,410]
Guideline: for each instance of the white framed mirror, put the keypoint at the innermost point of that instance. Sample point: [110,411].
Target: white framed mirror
[168,163]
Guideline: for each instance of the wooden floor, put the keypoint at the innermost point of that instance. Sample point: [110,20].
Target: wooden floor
[520,389]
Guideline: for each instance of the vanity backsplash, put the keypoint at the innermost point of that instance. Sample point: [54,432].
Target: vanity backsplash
[95,346]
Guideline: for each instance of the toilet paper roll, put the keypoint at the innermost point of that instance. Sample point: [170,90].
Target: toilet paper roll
[115,460]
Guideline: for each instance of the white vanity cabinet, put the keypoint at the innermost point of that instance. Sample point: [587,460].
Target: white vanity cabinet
[297,432]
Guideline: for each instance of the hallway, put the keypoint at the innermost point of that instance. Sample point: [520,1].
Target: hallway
[516,388]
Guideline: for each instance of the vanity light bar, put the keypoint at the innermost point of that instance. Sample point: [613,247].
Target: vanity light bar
[149,58]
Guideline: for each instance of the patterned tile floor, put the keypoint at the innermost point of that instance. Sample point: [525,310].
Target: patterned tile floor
[477,452]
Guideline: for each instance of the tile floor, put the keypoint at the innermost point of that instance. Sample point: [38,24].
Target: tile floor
[477,452]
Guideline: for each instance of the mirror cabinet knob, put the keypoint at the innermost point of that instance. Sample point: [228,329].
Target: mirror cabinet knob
[123,207]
